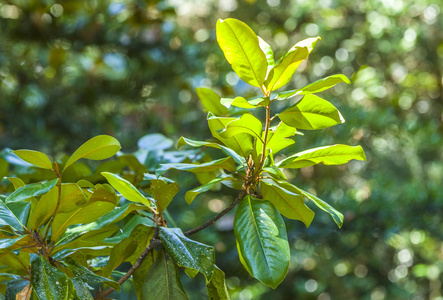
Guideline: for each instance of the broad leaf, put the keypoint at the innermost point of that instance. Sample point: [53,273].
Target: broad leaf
[211,101]
[50,283]
[191,194]
[288,203]
[97,148]
[6,243]
[243,103]
[216,287]
[126,188]
[31,190]
[278,139]
[336,215]
[155,142]
[223,163]
[7,217]
[83,293]
[315,87]
[163,281]
[16,182]
[267,50]
[247,123]
[87,276]
[262,240]
[285,67]
[241,48]
[311,113]
[14,287]
[188,253]
[328,155]
[138,277]
[36,158]
[162,192]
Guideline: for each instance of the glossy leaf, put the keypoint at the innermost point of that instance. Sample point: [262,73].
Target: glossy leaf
[278,139]
[243,103]
[188,253]
[247,123]
[216,287]
[211,101]
[223,163]
[50,283]
[126,188]
[288,203]
[163,281]
[311,113]
[36,158]
[315,87]
[155,142]
[241,48]
[84,274]
[16,182]
[31,190]
[6,243]
[21,210]
[241,144]
[162,192]
[262,240]
[83,293]
[191,194]
[328,155]
[7,217]
[285,67]
[14,287]
[336,215]
[267,50]
[97,148]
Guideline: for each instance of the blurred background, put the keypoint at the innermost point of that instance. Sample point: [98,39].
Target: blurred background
[70,70]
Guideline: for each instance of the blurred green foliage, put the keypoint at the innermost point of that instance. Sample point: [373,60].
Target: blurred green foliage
[73,69]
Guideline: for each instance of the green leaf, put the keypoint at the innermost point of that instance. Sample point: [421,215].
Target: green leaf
[288,203]
[278,139]
[262,240]
[247,123]
[188,253]
[83,293]
[163,281]
[155,142]
[71,196]
[126,188]
[211,101]
[336,215]
[328,155]
[285,67]
[36,158]
[97,148]
[191,194]
[241,144]
[87,276]
[7,217]
[16,182]
[50,283]
[223,163]
[315,87]
[14,287]
[6,243]
[270,168]
[243,103]
[267,50]
[311,113]
[21,210]
[216,287]
[31,190]
[241,48]
[162,192]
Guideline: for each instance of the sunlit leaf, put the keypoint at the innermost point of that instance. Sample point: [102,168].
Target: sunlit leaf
[223,163]
[243,103]
[247,123]
[31,190]
[211,101]
[267,50]
[36,158]
[126,188]
[16,182]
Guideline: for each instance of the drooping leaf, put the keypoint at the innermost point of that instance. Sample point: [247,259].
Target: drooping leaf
[191,194]
[336,215]
[16,182]
[211,101]
[97,148]
[6,243]
[83,293]
[138,277]
[163,281]
[14,287]
[25,294]
[247,123]
[36,158]
[163,192]
[126,188]
[188,253]
[50,283]
[311,113]
[21,210]
[84,274]
[154,142]
[262,240]
[241,48]
[328,155]
[288,203]
[267,50]
[216,287]
[31,190]
[17,262]
[7,217]
[243,103]
[223,163]
[315,87]
[285,67]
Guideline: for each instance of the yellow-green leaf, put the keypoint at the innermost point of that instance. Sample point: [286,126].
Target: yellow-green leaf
[211,101]
[36,158]
[125,188]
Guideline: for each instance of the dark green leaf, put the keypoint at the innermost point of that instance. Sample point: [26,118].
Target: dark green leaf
[188,253]
[311,113]
[262,240]
[216,287]
[7,217]
[31,190]
[21,210]
[223,163]
[14,287]
[211,101]
[83,293]
[138,277]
